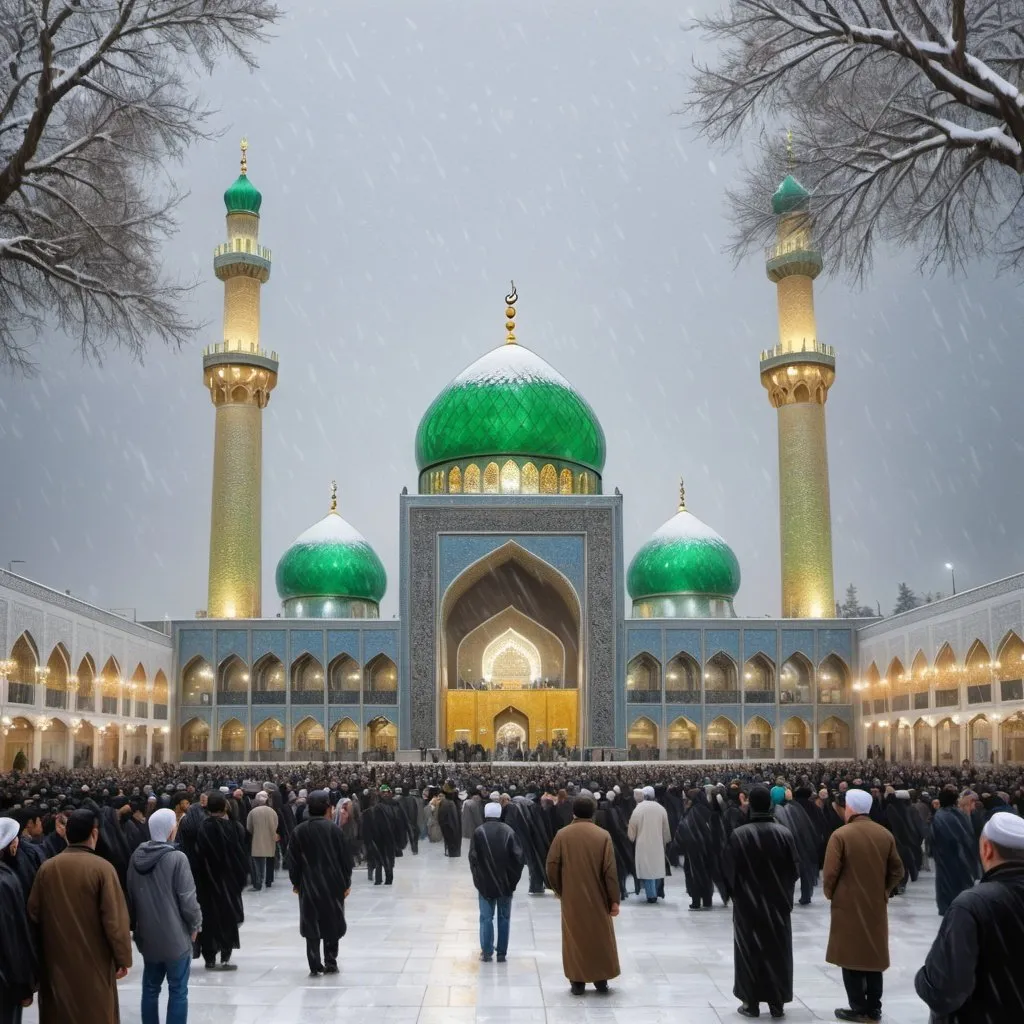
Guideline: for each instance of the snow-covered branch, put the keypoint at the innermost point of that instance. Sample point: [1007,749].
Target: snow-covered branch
[95,101]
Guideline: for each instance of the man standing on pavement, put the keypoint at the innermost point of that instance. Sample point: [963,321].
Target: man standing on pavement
[496,860]
[85,943]
[649,831]
[165,918]
[263,825]
[581,870]
[320,868]
[862,866]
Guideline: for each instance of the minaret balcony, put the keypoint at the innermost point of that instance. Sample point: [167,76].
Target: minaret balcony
[242,257]
[809,352]
[236,354]
[792,258]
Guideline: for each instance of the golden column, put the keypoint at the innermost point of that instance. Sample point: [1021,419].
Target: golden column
[240,376]
[798,372]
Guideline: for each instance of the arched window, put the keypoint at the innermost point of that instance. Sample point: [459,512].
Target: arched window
[922,741]
[197,682]
[136,690]
[86,700]
[720,739]
[233,681]
[759,738]
[454,480]
[834,738]
[270,737]
[382,680]
[307,680]
[345,739]
[759,680]
[642,740]
[979,740]
[682,680]
[720,680]
[549,480]
[833,681]
[381,739]
[195,739]
[471,481]
[683,740]
[343,679]
[491,478]
[268,680]
[232,737]
[56,676]
[160,695]
[510,478]
[308,737]
[947,678]
[897,686]
[643,680]
[796,739]
[1010,668]
[947,742]
[531,479]
[1013,739]
[919,680]
[978,669]
[565,481]
[21,685]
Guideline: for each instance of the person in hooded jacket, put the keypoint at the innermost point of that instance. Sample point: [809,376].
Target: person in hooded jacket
[805,835]
[19,970]
[607,817]
[165,918]
[496,860]
[953,849]
[696,844]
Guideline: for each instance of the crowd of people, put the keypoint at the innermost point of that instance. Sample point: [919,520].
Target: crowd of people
[92,860]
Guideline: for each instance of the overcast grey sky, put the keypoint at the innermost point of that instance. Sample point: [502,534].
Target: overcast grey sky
[412,158]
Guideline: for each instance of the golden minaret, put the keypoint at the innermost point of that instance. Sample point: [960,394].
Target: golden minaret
[240,376]
[798,373]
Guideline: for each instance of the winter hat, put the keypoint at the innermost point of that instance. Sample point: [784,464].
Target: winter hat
[492,810]
[261,798]
[9,831]
[495,796]
[1005,829]
[161,824]
[648,792]
[778,795]
[858,801]
[760,799]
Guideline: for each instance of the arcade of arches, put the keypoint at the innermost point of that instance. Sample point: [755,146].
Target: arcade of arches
[511,658]
[269,739]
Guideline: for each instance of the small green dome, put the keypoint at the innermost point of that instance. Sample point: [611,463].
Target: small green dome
[331,560]
[790,196]
[685,556]
[243,196]
[510,402]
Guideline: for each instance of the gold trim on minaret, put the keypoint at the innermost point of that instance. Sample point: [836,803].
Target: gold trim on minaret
[510,315]
[682,495]
[245,158]
[334,496]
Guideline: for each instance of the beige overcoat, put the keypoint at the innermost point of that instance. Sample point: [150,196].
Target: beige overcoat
[862,866]
[263,825]
[581,869]
[77,904]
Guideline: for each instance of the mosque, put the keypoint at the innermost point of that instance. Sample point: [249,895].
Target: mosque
[514,632]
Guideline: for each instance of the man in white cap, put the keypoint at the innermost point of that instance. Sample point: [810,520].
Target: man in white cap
[17,954]
[649,831]
[862,866]
[496,859]
[165,917]
[973,969]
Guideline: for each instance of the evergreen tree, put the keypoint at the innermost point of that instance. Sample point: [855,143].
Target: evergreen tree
[906,599]
[850,608]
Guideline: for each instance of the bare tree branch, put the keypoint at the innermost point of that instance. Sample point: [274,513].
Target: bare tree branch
[95,101]
[907,118]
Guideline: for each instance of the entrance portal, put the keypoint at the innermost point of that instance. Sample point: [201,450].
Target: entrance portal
[511,730]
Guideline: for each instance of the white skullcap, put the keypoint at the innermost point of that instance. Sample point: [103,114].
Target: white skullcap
[495,796]
[902,794]
[9,831]
[1005,829]
[161,824]
[648,792]
[597,797]
[224,789]
[492,810]
[638,794]
[858,801]
[261,797]
[616,788]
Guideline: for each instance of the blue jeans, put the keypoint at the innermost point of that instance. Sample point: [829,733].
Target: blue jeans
[503,904]
[650,888]
[176,972]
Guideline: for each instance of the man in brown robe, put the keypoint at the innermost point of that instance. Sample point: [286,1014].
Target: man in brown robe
[862,866]
[581,870]
[85,942]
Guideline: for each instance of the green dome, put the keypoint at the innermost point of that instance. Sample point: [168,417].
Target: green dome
[331,560]
[790,196]
[684,557]
[510,402]
[242,196]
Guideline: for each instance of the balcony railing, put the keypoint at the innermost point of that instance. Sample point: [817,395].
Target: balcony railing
[979,694]
[805,346]
[197,700]
[835,753]
[682,696]
[307,755]
[109,706]
[723,754]
[798,753]
[381,696]
[307,696]
[194,755]
[229,755]
[85,702]
[343,696]
[759,696]
[921,701]
[722,697]
[142,709]
[21,693]
[685,753]
[56,698]
[268,696]
[760,753]
[160,711]
[1012,689]
[901,703]
[232,697]
[243,245]
[643,696]
[947,698]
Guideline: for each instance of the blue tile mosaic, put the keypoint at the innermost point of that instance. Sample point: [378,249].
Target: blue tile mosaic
[687,640]
[267,641]
[232,641]
[192,642]
[804,711]
[379,641]
[563,551]
[342,641]
[730,711]
[765,711]
[691,711]
[835,641]
[648,640]
[798,641]
[301,713]
[763,641]
[307,641]
[275,714]
[186,715]
[652,714]
[336,714]
[226,714]
[727,640]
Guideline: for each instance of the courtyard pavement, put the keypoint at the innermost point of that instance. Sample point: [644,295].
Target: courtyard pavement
[411,957]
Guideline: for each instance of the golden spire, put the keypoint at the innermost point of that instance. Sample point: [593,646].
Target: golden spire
[790,163]
[682,495]
[334,495]
[510,315]
[245,158]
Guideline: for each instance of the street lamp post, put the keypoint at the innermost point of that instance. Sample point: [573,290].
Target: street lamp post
[952,573]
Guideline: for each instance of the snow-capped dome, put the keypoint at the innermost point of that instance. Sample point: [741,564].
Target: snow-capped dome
[510,403]
[789,196]
[685,570]
[330,571]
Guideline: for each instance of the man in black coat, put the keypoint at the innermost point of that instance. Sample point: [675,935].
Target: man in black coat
[449,821]
[953,850]
[410,804]
[762,866]
[320,869]
[384,833]
[972,973]
[496,860]
[220,865]
[903,825]
[807,838]
[696,844]
[19,972]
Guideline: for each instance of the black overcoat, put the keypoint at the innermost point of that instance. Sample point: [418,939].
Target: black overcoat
[320,867]
[956,855]
[220,866]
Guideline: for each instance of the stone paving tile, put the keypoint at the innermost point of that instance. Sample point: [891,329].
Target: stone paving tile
[411,957]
